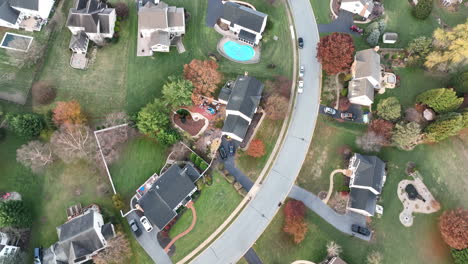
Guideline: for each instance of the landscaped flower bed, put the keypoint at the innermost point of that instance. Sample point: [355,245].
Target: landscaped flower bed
[184,120]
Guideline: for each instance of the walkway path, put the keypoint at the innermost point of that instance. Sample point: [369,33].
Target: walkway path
[192,225]
[340,222]
[267,197]
[330,189]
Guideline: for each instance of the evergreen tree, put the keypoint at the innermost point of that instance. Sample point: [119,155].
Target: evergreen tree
[442,100]
[445,126]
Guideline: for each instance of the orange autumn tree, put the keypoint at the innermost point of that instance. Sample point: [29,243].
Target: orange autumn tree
[68,113]
[335,53]
[294,224]
[204,76]
[256,148]
[453,227]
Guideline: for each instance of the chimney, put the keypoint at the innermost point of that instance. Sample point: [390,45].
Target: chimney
[376,48]
[246,73]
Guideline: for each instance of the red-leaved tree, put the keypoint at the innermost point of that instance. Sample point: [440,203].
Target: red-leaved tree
[294,224]
[256,148]
[382,128]
[335,53]
[204,76]
[453,227]
[68,113]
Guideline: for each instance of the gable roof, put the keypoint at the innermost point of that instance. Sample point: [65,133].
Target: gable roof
[243,16]
[236,125]
[245,96]
[243,34]
[92,15]
[369,172]
[176,16]
[152,17]
[362,199]
[361,87]
[367,64]
[26,4]
[213,12]
[7,13]
[168,191]
[79,41]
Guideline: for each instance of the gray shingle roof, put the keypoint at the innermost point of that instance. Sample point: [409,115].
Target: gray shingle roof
[361,87]
[7,13]
[247,35]
[161,38]
[79,41]
[367,64]
[213,12]
[26,4]
[104,21]
[90,14]
[152,17]
[362,199]
[107,231]
[245,96]
[236,125]
[369,172]
[243,16]
[176,16]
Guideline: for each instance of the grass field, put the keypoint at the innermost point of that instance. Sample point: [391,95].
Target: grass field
[214,205]
[321,11]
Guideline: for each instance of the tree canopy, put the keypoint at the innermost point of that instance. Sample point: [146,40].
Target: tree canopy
[442,100]
[25,125]
[294,223]
[335,52]
[68,113]
[420,46]
[422,9]
[177,92]
[276,106]
[453,226]
[445,126]
[406,135]
[15,214]
[152,118]
[389,109]
[256,148]
[204,76]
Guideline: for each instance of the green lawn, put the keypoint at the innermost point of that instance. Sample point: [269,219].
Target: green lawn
[321,11]
[213,206]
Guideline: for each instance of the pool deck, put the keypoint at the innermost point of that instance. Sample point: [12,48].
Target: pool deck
[225,39]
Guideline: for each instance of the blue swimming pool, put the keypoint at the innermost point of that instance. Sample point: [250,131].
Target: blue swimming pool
[238,51]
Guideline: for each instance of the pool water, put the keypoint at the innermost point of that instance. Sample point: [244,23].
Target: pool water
[238,51]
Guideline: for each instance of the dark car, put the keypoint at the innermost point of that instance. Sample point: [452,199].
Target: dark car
[134,226]
[37,255]
[360,230]
[301,43]
[222,152]
[348,116]
[231,149]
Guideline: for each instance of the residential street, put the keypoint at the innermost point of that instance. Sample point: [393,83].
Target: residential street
[254,219]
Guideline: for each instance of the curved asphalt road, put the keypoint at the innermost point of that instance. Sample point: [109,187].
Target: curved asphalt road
[256,216]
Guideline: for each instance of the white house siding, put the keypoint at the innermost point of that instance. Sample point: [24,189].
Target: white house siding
[237,28]
[3,23]
[359,211]
[237,113]
[233,136]
[361,100]
[355,8]
[160,48]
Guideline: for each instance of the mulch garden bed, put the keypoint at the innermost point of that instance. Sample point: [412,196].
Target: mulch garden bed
[190,126]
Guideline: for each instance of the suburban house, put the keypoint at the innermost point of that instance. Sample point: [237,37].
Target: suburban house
[359,7]
[366,183]
[161,198]
[90,20]
[80,238]
[26,14]
[246,23]
[7,245]
[242,98]
[159,27]
[366,71]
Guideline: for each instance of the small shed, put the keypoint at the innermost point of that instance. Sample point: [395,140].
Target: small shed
[429,114]
[389,37]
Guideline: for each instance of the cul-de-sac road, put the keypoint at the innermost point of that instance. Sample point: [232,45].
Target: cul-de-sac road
[254,219]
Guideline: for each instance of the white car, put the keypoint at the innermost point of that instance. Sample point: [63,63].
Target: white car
[146,224]
[300,86]
[329,111]
[301,71]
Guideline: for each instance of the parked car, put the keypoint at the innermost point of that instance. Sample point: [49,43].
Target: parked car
[222,152]
[231,149]
[146,224]
[38,255]
[357,29]
[348,116]
[360,230]
[300,87]
[329,111]
[134,226]
[301,71]
[300,43]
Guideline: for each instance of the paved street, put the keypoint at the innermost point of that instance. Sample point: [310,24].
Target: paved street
[340,222]
[149,242]
[254,219]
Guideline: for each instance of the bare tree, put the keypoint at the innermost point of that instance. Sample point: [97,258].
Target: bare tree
[371,141]
[73,142]
[35,155]
[111,140]
[374,258]
[333,249]
[27,58]
[118,251]
[114,119]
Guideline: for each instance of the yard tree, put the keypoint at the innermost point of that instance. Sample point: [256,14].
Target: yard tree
[276,107]
[422,9]
[43,92]
[444,126]
[343,104]
[152,118]
[167,136]
[117,201]
[25,125]
[451,48]
[256,148]
[68,113]
[382,127]
[460,82]
[420,46]
[117,252]
[121,10]
[389,109]
[453,226]
[177,92]
[15,213]
[371,141]
[35,155]
[335,53]
[110,140]
[460,256]
[374,257]
[116,118]
[21,59]
[442,100]
[74,142]
[373,38]
[204,76]
[406,135]
[294,224]
[333,249]
[281,84]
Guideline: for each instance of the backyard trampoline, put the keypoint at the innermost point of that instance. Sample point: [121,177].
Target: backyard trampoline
[16,42]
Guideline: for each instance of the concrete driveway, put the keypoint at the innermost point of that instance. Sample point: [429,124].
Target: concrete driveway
[149,241]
